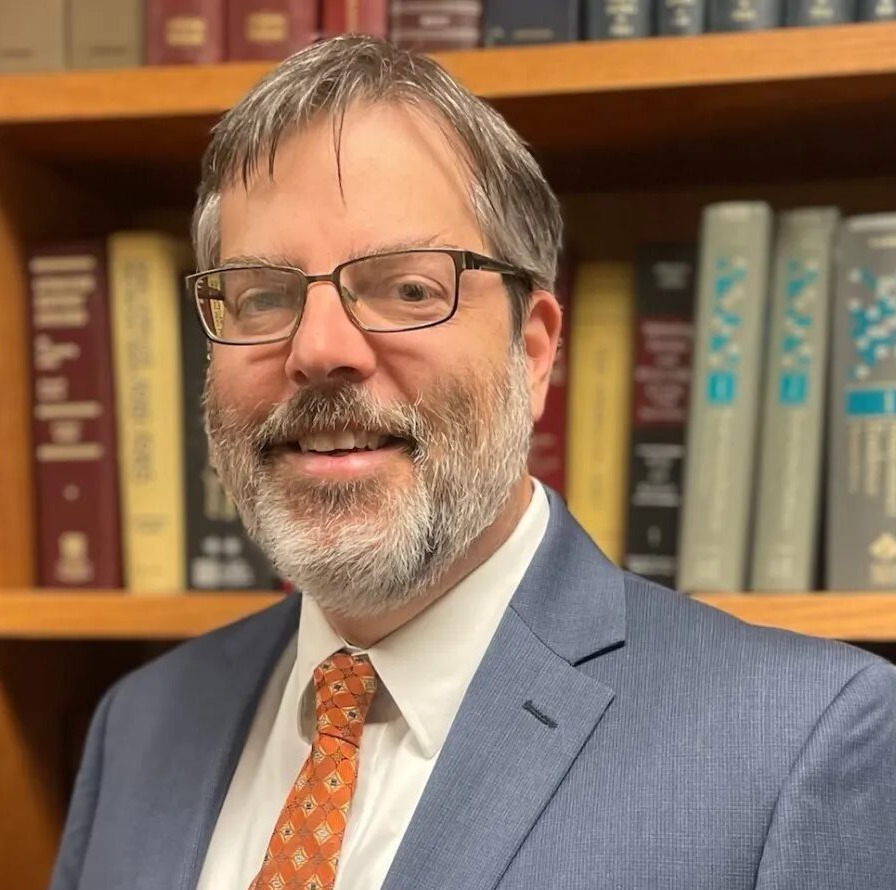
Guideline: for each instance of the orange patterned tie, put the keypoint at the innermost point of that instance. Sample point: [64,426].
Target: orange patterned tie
[304,849]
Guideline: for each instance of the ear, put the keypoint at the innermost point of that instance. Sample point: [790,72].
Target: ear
[541,338]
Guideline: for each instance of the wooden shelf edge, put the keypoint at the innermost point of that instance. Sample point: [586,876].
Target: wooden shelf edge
[857,617]
[49,615]
[58,615]
[495,73]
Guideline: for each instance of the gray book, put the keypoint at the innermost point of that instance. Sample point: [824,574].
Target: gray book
[680,17]
[861,512]
[812,13]
[530,21]
[744,15]
[732,294]
[876,10]
[788,510]
[618,19]
[32,35]
[105,33]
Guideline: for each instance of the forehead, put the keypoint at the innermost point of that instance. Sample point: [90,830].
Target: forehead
[393,175]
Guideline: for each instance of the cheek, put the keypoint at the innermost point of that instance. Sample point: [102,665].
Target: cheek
[250,383]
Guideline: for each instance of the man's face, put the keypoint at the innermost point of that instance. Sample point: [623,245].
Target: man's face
[430,427]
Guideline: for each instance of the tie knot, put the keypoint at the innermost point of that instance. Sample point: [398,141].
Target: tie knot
[344,686]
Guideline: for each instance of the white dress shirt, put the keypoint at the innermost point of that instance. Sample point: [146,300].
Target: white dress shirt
[424,669]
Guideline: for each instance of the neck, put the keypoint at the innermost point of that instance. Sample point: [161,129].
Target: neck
[365,632]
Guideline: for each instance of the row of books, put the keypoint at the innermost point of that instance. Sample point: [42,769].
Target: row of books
[732,404]
[40,35]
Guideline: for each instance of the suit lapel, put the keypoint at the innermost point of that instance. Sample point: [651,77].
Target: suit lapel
[207,740]
[526,715]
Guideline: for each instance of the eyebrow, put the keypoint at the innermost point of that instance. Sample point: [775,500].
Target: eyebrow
[370,249]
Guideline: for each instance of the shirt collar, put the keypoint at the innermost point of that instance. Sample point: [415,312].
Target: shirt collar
[427,664]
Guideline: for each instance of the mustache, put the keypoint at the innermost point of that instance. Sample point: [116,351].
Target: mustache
[342,406]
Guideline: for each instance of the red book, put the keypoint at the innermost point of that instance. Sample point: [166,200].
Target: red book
[270,29]
[355,17]
[184,32]
[547,455]
[73,421]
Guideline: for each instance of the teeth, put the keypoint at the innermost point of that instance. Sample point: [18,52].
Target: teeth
[343,440]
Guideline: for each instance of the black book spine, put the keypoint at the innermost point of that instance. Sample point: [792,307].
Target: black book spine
[508,22]
[744,15]
[219,553]
[618,19]
[680,17]
[813,13]
[663,349]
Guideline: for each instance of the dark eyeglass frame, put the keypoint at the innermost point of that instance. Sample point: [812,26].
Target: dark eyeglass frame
[464,260]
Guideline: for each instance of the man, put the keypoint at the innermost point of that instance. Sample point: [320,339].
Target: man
[467,694]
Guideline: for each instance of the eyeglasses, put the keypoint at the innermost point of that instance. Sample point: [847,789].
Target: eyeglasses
[401,290]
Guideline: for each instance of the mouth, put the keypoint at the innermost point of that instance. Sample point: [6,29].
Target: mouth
[341,443]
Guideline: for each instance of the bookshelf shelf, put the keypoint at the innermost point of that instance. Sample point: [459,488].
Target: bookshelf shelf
[714,105]
[59,615]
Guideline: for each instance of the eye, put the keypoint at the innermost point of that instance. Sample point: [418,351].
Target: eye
[259,301]
[413,291]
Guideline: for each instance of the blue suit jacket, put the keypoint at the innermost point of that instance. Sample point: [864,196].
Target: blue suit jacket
[616,735]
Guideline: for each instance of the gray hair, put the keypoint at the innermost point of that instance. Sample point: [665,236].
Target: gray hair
[515,208]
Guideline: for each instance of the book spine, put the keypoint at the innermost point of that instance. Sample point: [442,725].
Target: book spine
[814,13]
[105,33]
[618,19]
[512,22]
[32,35]
[145,293]
[547,455]
[184,32]
[600,408]
[664,339]
[681,17]
[861,511]
[260,30]
[722,421]
[73,418]
[355,17]
[876,10]
[788,508]
[433,25]
[218,553]
[744,15]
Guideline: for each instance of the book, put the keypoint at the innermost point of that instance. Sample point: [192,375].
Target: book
[809,13]
[218,552]
[270,29]
[433,25]
[618,19]
[744,15]
[33,35]
[732,295]
[788,508]
[665,277]
[680,17]
[73,418]
[183,32]
[547,454]
[145,274]
[355,17]
[861,509]
[876,10]
[105,33]
[530,21]
[600,360]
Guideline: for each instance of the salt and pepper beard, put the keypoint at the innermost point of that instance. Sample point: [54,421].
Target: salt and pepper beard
[365,547]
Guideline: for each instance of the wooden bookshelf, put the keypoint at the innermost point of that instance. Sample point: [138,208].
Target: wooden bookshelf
[106,615]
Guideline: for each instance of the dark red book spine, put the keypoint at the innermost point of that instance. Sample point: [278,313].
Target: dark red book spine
[434,25]
[184,32]
[259,30]
[73,418]
[355,17]
[547,455]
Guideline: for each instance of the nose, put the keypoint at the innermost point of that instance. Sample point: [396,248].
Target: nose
[327,345]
